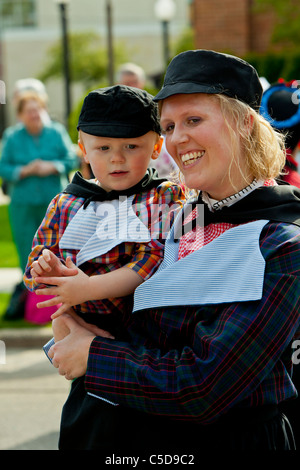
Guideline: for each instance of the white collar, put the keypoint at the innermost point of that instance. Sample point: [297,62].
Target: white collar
[214,204]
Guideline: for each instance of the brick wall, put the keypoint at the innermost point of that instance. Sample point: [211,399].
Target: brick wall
[230,26]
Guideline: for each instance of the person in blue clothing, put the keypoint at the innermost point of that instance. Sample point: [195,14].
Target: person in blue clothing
[36,159]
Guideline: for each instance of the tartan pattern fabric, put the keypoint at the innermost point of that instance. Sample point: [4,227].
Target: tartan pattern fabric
[144,258]
[196,363]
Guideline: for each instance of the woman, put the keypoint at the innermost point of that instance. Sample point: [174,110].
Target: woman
[209,357]
[35,162]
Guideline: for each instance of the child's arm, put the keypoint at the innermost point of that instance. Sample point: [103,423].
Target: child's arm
[74,290]
[48,236]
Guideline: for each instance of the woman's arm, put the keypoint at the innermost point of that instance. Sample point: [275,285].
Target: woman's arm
[225,355]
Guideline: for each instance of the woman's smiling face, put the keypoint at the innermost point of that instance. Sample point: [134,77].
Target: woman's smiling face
[198,139]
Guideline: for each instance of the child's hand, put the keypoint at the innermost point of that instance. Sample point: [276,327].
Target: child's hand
[68,291]
[49,265]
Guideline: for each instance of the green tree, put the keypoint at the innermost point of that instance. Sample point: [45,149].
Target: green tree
[88,59]
[287,22]
[186,41]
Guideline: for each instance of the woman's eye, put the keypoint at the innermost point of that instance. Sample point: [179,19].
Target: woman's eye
[193,120]
[169,128]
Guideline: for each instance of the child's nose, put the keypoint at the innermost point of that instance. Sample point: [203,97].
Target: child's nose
[117,156]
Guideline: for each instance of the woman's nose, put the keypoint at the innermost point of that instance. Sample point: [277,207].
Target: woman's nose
[179,135]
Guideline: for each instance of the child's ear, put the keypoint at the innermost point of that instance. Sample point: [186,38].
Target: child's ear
[82,148]
[157,148]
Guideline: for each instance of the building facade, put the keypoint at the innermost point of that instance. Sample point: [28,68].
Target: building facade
[233,26]
[29,27]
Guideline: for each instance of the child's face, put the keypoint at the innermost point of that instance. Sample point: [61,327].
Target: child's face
[118,163]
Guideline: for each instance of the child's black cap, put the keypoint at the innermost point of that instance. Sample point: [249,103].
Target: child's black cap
[119,111]
[203,71]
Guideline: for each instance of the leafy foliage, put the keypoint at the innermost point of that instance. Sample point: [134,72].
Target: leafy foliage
[287,23]
[88,59]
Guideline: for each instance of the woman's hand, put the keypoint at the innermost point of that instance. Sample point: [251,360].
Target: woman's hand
[70,354]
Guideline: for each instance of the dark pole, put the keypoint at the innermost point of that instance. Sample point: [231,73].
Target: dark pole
[66,67]
[110,42]
[165,25]
[2,88]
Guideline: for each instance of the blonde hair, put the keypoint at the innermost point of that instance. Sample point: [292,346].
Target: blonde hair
[29,96]
[263,147]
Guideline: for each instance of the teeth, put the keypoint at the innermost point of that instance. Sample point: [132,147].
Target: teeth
[191,157]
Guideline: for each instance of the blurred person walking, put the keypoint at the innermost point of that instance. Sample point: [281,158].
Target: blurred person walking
[37,156]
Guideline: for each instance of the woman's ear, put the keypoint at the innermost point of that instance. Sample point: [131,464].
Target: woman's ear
[157,148]
[249,121]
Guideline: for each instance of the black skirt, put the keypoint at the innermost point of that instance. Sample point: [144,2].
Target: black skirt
[89,423]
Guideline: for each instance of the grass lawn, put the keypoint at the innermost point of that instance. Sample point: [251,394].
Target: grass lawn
[8,259]
[8,252]
[20,323]
[4,299]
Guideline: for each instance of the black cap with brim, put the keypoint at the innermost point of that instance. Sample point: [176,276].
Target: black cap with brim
[119,112]
[114,129]
[203,71]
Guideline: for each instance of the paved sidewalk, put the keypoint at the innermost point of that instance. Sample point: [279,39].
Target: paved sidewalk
[9,277]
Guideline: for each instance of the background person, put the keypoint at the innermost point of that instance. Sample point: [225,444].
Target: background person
[280,106]
[37,157]
[130,74]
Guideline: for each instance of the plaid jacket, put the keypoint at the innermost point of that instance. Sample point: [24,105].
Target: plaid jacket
[195,363]
[155,208]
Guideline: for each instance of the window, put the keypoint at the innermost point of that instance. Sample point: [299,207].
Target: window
[17,13]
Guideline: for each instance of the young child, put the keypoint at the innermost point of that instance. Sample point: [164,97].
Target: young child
[101,238]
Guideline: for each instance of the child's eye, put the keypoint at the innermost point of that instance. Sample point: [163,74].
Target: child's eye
[131,146]
[103,148]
